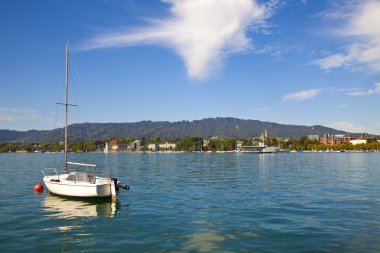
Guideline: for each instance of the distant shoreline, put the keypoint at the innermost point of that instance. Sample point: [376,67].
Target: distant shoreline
[206,152]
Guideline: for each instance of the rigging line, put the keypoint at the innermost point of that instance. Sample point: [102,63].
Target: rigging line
[60,139]
[56,121]
[74,96]
[74,76]
[59,96]
[77,76]
[87,133]
[62,85]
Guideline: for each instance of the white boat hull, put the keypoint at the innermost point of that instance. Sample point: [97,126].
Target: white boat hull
[59,185]
[269,150]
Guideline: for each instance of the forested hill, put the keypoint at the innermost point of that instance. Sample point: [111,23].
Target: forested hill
[205,128]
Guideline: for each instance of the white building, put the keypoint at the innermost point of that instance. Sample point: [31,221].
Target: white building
[136,145]
[238,143]
[114,147]
[313,137]
[358,141]
[167,146]
[153,147]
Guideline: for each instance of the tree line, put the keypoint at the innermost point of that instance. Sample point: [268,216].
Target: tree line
[188,144]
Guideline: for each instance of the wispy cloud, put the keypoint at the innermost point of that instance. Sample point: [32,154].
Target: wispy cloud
[339,9]
[361,25]
[348,58]
[348,126]
[203,32]
[341,106]
[16,114]
[273,49]
[361,92]
[25,119]
[301,95]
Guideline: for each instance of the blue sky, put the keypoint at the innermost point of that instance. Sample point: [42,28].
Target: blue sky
[302,62]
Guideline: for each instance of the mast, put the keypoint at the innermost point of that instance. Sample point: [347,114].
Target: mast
[66,102]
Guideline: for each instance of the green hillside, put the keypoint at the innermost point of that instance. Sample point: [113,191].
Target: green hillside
[205,128]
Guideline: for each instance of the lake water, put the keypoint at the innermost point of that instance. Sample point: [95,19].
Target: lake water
[297,202]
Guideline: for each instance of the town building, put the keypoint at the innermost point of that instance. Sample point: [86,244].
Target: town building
[113,145]
[313,137]
[329,139]
[136,145]
[167,146]
[365,135]
[358,141]
[122,147]
[153,147]
[112,142]
[238,143]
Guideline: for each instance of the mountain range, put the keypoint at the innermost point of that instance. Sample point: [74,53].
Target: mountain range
[205,128]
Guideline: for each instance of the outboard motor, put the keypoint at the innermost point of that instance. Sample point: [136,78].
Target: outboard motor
[126,187]
[116,184]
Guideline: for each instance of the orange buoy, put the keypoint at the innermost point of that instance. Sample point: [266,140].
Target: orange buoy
[38,188]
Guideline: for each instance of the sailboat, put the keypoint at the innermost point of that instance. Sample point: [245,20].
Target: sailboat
[82,180]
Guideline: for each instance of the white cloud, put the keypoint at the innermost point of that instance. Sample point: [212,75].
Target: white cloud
[16,114]
[273,49]
[203,32]
[351,56]
[301,95]
[347,126]
[360,92]
[25,119]
[341,106]
[356,93]
[340,9]
[331,61]
[362,25]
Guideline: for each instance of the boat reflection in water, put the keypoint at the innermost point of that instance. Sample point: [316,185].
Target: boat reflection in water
[73,217]
[60,207]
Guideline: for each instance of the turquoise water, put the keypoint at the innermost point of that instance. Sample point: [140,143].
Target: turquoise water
[314,202]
